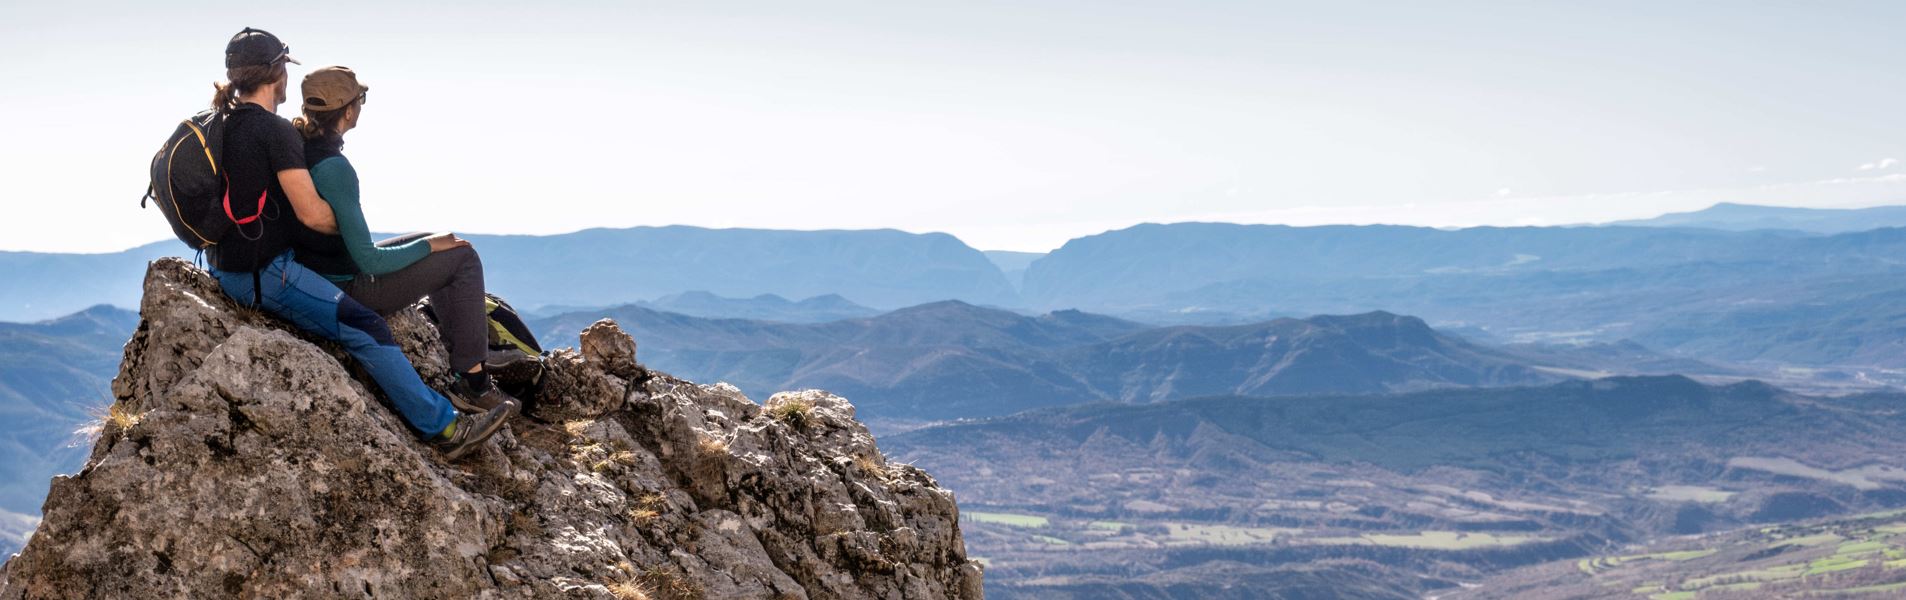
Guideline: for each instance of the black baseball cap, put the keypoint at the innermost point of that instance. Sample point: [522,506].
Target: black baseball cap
[256,47]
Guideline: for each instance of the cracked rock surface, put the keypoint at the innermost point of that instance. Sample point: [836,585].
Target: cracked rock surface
[243,459]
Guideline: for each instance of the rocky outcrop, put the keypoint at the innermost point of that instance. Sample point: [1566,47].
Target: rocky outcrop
[244,459]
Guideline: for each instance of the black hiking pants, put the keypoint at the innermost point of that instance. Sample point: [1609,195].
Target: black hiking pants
[452,279]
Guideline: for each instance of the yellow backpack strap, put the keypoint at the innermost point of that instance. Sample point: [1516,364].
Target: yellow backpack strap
[501,335]
[203,145]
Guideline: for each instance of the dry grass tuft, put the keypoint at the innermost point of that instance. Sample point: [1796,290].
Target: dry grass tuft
[648,508]
[643,516]
[586,454]
[631,590]
[795,413]
[117,416]
[525,522]
[578,427]
[625,458]
[713,446]
[670,585]
[871,466]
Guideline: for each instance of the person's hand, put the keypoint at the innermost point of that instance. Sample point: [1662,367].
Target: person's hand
[446,241]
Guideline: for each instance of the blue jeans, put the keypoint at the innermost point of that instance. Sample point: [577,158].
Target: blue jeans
[307,299]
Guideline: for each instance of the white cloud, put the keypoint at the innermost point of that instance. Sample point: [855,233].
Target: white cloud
[1502,193]
[1894,178]
[1880,165]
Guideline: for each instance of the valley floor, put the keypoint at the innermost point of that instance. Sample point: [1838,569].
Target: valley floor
[1423,495]
[1862,555]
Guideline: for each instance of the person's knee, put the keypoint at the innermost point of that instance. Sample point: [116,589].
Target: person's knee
[355,315]
[467,257]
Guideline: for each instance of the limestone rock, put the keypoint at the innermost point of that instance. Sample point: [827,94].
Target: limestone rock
[605,344]
[249,461]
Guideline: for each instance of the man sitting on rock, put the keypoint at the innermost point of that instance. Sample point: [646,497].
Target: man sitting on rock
[264,156]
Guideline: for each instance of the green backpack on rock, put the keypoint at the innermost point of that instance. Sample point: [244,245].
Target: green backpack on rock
[514,360]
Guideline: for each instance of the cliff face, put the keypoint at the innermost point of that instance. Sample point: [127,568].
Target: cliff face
[241,459]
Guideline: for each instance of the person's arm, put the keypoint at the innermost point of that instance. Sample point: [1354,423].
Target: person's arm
[310,208]
[336,180]
[284,150]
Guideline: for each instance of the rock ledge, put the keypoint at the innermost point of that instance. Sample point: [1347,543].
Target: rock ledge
[243,459]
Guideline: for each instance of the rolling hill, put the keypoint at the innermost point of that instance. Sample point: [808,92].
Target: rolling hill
[1406,494]
[952,360]
[878,268]
[1748,217]
[53,375]
[1149,264]
[1775,297]
[765,307]
[1862,556]
[1367,353]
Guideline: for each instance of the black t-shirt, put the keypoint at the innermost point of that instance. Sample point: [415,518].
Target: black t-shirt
[258,144]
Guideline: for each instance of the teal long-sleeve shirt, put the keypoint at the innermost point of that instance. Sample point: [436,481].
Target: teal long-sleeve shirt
[336,181]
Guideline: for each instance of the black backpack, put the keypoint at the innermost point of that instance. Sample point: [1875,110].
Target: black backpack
[188,185]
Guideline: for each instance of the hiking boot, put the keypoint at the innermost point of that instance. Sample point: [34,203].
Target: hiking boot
[468,398]
[470,430]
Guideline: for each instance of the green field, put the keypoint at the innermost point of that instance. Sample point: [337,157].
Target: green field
[1220,535]
[1009,519]
[1433,540]
[1802,561]
[1690,493]
[1592,565]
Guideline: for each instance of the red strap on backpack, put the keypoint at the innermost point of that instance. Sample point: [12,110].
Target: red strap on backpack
[228,205]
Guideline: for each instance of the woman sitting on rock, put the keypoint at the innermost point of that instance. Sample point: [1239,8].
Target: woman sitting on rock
[395,273]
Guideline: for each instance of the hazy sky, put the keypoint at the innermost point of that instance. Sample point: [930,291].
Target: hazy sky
[1013,125]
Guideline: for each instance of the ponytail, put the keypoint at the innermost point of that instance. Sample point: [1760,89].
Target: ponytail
[224,95]
[322,125]
[244,80]
[306,127]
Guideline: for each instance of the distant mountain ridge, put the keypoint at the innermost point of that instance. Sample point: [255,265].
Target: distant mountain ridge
[937,360]
[1151,263]
[879,268]
[601,267]
[765,307]
[1013,264]
[53,374]
[1705,293]
[1368,353]
[1748,217]
[49,285]
[1686,291]
[950,360]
